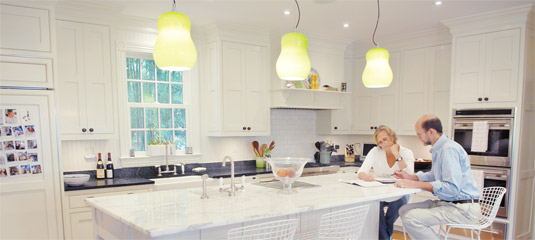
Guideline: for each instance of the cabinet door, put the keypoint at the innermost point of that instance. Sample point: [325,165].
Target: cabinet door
[82,225]
[387,98]
[362,101]
[25,28]
[233,63]
[414,93]
[256,85]
[440,85]
[469,69]
[71,90]
[98,86]
[501,73]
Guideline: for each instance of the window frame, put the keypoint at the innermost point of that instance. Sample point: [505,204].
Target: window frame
[190,104]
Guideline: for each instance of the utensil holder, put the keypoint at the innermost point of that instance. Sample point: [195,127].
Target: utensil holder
[325,157]
[260,162]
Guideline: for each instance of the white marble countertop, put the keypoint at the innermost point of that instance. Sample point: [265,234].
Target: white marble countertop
[168,212]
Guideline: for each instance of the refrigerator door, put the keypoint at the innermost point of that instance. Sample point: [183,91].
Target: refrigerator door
[30,204]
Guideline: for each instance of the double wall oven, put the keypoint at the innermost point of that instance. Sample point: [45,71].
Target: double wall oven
[495,162]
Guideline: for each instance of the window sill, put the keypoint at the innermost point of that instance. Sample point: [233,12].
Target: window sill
[142,161]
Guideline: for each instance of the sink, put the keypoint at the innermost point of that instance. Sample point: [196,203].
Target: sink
[171,183]
[278,185]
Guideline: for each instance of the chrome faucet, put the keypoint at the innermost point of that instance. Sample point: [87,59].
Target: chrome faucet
[232,190]
[182,167]
[167,150]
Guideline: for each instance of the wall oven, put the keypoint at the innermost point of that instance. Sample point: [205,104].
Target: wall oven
[495,162]
[500,131]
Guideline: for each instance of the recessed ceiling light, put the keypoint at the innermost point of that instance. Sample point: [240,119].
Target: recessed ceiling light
[346,25]
[438,3]
[286,12]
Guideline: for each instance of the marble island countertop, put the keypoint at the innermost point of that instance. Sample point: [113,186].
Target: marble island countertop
[169,212]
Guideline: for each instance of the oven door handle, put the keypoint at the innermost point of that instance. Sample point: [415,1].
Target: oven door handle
[496,177]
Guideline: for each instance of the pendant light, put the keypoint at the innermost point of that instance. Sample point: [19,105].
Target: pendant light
[377,73]
[174,50]
[293,62]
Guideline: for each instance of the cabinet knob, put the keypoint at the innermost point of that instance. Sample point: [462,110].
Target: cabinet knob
[335,128]
[374,127]
[248,128]
[84,130]
[91,130]
[486,99]
[244,128]
[480,99]
[371,127]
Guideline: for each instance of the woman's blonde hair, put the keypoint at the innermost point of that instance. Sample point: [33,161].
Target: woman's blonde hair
[388,131]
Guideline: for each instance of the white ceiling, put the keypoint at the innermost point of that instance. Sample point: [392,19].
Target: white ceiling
[318,17]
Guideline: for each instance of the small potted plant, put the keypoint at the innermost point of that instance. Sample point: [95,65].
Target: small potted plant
[157,145]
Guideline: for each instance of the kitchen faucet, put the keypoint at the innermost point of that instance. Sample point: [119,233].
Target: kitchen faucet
[232,190]
[167,164]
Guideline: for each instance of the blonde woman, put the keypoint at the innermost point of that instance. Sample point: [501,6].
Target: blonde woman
[385,159]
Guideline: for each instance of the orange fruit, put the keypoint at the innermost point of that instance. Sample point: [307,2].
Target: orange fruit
[291,172]
[282,172]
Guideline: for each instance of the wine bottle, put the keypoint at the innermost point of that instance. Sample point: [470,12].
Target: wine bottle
[109,167]
[101,174]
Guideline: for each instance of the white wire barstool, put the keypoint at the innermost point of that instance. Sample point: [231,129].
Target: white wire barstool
[344,224]
[275,230]
[490,203]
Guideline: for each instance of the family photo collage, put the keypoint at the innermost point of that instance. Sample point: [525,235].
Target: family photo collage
[19,148]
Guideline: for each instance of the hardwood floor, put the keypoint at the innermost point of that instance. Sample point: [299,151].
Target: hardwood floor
[397,235]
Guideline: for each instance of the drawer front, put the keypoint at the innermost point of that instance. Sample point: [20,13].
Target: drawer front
[78,201]
[26,72]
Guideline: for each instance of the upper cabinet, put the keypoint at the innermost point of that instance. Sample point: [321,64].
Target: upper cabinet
[237,89]
[486,67]
[26,54]
[425,86]
[85,82]
[28,28]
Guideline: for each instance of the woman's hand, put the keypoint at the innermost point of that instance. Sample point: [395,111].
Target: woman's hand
[395,150]
[366,177]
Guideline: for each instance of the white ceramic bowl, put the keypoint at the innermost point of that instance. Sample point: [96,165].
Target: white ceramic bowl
[287,170]
[75,180]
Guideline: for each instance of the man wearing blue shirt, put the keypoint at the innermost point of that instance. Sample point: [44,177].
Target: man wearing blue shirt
[450,179]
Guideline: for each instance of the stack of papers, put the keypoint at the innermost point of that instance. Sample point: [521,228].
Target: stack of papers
[362,183]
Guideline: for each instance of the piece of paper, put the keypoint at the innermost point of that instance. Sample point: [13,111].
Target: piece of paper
[362,183]
[480,136]
[386,180]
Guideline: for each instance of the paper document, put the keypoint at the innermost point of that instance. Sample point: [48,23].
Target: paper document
[386,180]
[362,183]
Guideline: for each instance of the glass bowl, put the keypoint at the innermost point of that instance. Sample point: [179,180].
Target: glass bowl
[287,170]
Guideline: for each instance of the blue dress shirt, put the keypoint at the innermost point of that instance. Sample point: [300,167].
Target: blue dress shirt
[450,173]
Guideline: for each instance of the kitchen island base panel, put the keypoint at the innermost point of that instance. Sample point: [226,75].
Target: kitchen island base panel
[107,227]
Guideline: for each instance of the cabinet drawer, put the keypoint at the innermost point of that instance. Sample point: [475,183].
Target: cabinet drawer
[25,28]
[26,72]
[78,201]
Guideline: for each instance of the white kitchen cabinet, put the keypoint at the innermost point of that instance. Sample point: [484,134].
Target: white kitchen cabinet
[486,67]
[425,86]
[85,82]
[375,106]
[25,28]
[333,122]
[78,217]
[238,89]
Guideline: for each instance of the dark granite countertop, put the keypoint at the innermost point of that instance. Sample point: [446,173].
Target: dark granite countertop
[141,175]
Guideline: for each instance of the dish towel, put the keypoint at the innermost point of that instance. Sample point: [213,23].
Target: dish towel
[479,178]
[480,136]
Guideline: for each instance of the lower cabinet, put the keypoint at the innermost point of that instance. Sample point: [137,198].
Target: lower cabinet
[78,217]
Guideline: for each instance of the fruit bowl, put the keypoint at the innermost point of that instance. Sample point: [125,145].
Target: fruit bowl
[287,170]
[75,180]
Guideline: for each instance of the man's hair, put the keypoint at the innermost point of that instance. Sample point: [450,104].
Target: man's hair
[433,123]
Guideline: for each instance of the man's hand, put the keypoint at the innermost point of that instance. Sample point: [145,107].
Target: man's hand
[402,174]
[405,183]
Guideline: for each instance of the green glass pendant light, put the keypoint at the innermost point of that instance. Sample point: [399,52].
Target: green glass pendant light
[293,62]
[174,49]
[377,73]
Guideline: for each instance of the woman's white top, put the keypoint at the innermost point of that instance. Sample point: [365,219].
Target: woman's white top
[376,160]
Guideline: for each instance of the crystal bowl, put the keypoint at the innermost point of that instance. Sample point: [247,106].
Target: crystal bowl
[287,170]
[75,180]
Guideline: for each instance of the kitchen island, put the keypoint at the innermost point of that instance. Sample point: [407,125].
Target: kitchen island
[182,214]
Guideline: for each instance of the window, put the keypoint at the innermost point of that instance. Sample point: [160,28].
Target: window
[156,106]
